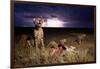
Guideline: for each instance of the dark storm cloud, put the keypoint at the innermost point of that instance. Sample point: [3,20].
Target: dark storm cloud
[72,17]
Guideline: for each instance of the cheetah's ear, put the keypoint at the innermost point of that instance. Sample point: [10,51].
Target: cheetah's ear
[34,19]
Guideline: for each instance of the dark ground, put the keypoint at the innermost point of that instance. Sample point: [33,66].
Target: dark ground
[52,33]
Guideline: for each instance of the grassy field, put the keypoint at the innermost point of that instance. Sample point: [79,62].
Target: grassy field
[24,55]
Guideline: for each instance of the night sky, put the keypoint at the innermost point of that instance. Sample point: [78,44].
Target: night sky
[54,15]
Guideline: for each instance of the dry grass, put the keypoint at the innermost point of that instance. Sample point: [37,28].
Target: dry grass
[28,56]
